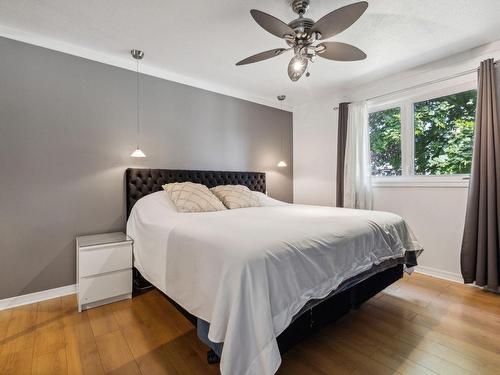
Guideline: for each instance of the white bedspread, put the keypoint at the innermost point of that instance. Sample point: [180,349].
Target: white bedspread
[249,271]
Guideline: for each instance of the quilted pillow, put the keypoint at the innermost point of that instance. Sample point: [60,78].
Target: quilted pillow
[236,196]
[191,197]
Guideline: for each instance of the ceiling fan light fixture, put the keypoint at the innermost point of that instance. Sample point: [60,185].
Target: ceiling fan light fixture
[303,35]
[297,67]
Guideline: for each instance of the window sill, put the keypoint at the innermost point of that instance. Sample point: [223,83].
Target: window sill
[460,181]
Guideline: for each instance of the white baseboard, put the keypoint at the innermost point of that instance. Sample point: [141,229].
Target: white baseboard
[26,299]
[440,274]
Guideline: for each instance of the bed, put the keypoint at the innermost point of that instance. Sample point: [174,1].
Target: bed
[257,280]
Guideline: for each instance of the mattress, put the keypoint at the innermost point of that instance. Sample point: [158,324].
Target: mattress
[248,272]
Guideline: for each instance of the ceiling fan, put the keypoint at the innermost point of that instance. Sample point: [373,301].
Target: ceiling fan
[303,36]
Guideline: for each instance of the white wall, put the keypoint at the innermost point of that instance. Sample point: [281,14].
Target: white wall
[315,138]
[436,214]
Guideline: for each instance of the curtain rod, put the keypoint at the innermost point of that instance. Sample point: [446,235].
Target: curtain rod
[496,62]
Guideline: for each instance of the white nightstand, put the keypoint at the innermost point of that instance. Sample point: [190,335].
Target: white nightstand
[103,269]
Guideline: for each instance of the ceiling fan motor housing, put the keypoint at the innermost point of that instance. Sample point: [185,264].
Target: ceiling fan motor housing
[302,25]
[300,6]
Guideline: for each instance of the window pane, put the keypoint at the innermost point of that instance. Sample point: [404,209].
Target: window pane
[385,142]
[444,128]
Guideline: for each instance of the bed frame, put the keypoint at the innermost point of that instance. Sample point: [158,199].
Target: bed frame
[350,295]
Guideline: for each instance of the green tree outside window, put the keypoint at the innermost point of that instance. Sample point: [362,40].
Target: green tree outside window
[385,142]
[443,130]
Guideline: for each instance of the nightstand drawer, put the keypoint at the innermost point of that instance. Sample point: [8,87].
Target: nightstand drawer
[95,261]
[96,288]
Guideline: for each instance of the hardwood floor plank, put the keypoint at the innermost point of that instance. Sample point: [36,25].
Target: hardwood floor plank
[141,339]
[83,358]
[184,358]
[399,363]
[393,352]
[201,349]
[352,356]
[20,333]
[5,315]
[461,359]
[102,320]
[115,354]
[296,364]
[315,356]
[157,362]
[481,354]
[128,312]
[427,282]
[81,349]
[442,310]
[17,363]
[49,334]
[482,338]
[53,363]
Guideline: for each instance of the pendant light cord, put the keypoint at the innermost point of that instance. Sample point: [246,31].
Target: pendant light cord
[281,102]
[137,101]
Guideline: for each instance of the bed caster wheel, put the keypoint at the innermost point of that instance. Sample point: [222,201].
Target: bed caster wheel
[212,357]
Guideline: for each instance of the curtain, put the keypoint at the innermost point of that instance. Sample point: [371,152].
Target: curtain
[341,142]
[480,260]
[357,179]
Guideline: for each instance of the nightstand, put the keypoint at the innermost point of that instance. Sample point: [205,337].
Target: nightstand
[103,269]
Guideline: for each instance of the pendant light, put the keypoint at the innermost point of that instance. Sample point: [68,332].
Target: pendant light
[281,163]
[137,55]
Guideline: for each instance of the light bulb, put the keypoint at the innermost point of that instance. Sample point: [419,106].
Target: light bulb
[282,164]
[297,67]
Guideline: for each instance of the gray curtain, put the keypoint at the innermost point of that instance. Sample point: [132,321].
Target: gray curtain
[480,260]
[341,142]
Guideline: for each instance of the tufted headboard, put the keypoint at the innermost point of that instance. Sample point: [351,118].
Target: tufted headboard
[141,182]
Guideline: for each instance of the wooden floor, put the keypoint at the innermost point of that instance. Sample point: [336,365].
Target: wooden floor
[420,325]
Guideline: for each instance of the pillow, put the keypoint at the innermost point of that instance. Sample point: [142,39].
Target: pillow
[191,197]
[236,196]
[265,200]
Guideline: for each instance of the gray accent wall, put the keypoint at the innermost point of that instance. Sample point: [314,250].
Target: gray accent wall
[67,128]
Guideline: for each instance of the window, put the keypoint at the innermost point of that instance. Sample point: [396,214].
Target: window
[423,136]
[385,142]
[444,128]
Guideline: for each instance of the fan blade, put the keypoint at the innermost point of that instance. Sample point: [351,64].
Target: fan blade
[272,24]
[340,52]
[262,56]
[337,21]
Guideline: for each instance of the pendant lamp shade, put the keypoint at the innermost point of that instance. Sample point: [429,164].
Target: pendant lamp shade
[138,153]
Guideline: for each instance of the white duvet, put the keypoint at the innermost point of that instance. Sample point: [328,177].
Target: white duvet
[249,271]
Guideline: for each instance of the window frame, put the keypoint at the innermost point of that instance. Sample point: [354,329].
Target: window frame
[406,104]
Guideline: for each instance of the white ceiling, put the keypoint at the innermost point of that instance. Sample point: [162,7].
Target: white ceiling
[199,41]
